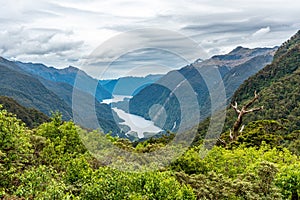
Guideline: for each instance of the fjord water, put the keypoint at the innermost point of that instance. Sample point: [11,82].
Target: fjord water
[136,123]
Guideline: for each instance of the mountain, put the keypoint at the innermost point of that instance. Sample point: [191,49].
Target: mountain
[106,117]
[278,86]
[67,75]
[31,117]
[29,91]
[50,89]
[233,68]
[128,86]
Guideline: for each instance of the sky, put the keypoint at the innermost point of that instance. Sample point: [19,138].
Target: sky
[114,38]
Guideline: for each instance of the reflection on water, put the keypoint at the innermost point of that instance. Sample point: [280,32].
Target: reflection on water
[137,124]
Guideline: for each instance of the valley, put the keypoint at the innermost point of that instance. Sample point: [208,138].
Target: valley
[182,100]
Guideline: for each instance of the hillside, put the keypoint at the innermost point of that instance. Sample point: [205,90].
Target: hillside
[106,117]
[29,91]
[31,117]
[278,85]
[233,68]
[67,75]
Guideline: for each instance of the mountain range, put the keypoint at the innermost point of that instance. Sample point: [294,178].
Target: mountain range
[233,68]
[68,76]
[155,97]
[29,91]
[48,89]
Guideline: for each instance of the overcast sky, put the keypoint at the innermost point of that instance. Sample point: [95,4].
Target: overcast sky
[65,32]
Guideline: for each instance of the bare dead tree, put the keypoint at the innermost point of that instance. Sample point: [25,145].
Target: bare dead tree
[241,112]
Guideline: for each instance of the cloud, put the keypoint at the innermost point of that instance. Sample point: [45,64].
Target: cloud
[62,33]
[50,46]
[143,47]
[262,32]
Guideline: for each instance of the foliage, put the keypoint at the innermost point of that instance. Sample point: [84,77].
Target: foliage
[15,152]
[107,183]
[51,162]
[255,133]
[289,181]
[56,166]
[244,173]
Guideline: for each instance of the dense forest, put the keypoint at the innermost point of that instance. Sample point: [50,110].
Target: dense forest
[52,160]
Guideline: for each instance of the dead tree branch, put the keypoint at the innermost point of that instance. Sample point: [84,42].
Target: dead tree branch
[241,113]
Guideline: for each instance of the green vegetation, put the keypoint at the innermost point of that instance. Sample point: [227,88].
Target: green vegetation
[50,162]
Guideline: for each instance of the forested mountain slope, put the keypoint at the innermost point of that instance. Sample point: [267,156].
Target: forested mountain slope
[31,117]
[29,91]
[27,84]
[278,86]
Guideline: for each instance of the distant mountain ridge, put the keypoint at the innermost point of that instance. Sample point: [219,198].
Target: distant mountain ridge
[29,91]
[234,68]
[129,85]
[67,75]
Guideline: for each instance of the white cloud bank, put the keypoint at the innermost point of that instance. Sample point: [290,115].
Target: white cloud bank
[62,33]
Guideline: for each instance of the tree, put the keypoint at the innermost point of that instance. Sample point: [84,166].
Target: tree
[245,110]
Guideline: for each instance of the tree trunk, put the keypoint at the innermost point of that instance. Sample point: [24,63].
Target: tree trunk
[237,124]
